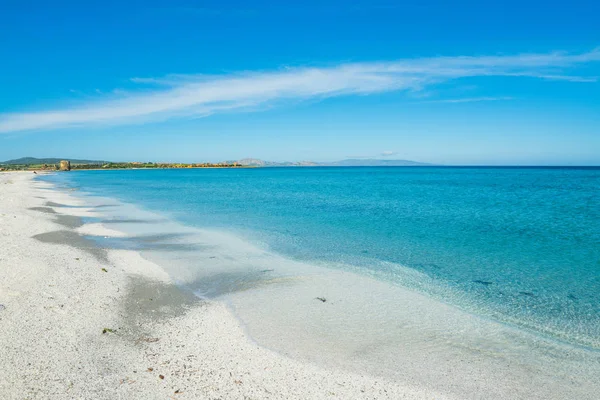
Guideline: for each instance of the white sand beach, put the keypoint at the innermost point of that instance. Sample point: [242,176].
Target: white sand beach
[85,314]
[77,323]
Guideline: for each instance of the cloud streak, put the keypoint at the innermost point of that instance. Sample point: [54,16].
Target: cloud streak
[185,96]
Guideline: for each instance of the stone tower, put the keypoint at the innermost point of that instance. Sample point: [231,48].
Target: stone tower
[64,165]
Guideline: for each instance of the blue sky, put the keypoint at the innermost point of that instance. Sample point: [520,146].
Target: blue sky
[461,82]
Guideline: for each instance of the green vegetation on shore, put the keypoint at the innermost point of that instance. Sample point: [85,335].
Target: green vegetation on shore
[111,165]
[150,165]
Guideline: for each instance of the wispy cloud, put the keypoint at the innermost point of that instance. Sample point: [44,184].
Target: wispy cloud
[179,96]
[388,153]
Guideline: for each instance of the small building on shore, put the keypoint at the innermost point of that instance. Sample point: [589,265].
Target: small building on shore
[64,165]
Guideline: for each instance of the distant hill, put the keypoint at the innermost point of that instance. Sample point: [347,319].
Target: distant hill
[255,162]
[250,162]
[358,162]
[35,161]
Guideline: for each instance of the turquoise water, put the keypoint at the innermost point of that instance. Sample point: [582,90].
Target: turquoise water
[519,245]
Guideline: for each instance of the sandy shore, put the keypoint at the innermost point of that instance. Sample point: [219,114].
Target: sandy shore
[78,322]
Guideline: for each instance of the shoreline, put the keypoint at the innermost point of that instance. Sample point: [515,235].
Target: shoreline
[57,301]
[449,351]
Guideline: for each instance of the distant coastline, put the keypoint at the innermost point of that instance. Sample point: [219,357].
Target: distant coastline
[93,165]
[36,164]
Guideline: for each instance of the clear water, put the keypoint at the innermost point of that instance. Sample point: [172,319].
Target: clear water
[518,245]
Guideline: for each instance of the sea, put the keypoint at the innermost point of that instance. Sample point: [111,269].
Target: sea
[381,269]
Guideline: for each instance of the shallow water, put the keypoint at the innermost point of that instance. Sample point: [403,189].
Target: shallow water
[478,282]
[521,245]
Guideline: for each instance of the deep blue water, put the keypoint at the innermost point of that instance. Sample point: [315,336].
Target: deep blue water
[521,245]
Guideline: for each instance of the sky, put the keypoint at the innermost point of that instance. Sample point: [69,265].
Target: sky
[456,83]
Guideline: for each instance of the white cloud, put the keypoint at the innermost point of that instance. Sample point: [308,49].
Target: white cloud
[177,96]
[388,153]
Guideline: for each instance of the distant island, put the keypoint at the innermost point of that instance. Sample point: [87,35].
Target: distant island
[32,163]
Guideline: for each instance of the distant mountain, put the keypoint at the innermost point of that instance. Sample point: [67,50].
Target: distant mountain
[254,162]
[33,160]
[359,162]
[365,162]
[251,162]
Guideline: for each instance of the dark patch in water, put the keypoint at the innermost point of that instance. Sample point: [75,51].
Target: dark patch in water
[53,204]
[572,297]
[149,242]
[159,237]
[527,294]
[485,283]
[69,221]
